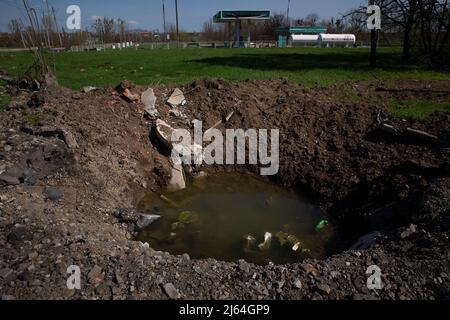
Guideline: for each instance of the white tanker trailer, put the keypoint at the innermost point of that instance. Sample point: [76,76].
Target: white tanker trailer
[326,39]
[304,39]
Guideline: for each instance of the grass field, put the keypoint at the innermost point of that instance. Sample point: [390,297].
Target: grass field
[309,66]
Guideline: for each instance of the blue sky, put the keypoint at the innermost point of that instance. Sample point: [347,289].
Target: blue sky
[147,14]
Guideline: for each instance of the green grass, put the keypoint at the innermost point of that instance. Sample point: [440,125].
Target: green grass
[417,109]
[309,66]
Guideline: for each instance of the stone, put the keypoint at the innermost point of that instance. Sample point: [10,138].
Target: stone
[324,288]
[412,229]
[53,194]
[95,276]
[310,269]
[365,242]
[146,219]
[249,241]
[298,284]
[88,89]
[177,181]
[69,139]
[7,148]
[177,98]
[244,266]
[148,98]
[18,233]
[171,291]
[175,113]
[9,180]
[185,258]
[6,274]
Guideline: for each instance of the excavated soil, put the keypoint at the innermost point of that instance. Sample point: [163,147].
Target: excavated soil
[75,166]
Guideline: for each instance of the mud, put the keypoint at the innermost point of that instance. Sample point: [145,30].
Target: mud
[331,149]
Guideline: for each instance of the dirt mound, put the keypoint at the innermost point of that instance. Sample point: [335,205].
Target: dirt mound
[96,152]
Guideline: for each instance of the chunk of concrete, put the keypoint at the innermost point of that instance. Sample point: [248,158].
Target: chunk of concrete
[148,98]
[164,133]
[146,220]
[177,182]
[88,89]
[177,98]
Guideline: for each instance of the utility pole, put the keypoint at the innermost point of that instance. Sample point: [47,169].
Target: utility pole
[178,30]
[373,43]
[288,12]
[164,20]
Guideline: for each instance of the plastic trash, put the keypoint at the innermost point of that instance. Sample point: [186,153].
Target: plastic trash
[249,241]
[267,241]
[321,225]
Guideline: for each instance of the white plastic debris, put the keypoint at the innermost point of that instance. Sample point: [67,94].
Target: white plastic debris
[267,241]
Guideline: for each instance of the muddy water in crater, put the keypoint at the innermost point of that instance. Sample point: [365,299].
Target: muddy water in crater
[226,217]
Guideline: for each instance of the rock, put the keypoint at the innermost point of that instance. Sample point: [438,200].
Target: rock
[185,258]
[53,194]
[324,288]
[6,274]
[148,98]
[30,177]
[95,276]
[36,100]
[310,269]
[18,233]
[125,85]
[412,229]
[365,242]
[298,284]
[146,219]
[171,291]
[177,181]
[7,148]
[244,266]
[69,139]
[177,98]
[9,180]
[129,96]
[175,113]
[88,89]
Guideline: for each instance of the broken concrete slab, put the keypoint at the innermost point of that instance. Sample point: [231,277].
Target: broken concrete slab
[178,181]
[177,98]
[148,98]
[147,219]
[164,133]
[88,89]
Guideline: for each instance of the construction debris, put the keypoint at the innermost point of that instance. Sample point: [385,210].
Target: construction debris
[178,181]
[177,98]
[267,242]
[88,89]
[148,98]
[422,135]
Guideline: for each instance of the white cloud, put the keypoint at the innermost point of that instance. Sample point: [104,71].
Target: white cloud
[96,17]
